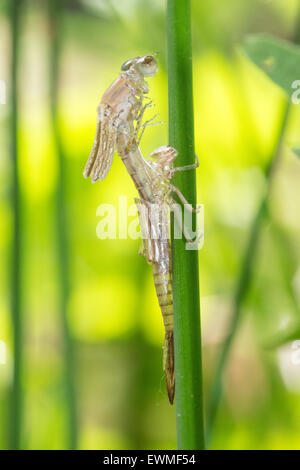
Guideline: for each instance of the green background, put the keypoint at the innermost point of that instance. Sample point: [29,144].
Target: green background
[112,309]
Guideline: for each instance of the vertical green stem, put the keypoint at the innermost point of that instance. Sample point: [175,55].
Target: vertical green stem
[188,359]
[16,395]
[55,9]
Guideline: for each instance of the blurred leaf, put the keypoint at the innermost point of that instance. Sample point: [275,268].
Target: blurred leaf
[284,337]
[296,151]
[279,59]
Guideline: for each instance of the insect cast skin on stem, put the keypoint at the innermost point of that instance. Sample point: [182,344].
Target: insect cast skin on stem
[120,126]
[121,105]
[154,222]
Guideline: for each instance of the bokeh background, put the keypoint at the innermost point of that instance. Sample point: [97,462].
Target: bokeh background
[92,331]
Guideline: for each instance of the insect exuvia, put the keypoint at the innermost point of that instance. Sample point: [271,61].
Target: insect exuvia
[119,126]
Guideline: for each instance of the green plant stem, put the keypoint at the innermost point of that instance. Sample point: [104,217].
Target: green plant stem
[56,9]
[188,357]
[245,277]
[16,395]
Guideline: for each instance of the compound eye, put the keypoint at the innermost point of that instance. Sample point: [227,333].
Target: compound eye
[126,66]
[148,66]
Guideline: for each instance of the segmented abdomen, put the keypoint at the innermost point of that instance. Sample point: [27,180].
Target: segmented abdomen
[162,273]
[163,285]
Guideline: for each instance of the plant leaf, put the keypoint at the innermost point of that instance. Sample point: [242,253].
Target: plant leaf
[278,59]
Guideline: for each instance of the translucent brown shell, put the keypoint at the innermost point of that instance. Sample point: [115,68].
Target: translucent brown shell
[101,156]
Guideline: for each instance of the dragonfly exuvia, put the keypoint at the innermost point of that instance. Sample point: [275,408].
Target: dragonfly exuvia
[119,126]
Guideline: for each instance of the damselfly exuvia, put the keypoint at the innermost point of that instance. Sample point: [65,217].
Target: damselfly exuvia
[119,126]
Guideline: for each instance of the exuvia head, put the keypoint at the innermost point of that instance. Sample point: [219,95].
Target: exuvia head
[146,65]
[164,155]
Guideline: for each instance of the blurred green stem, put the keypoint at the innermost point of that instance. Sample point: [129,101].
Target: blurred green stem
[56,10]
[246,268]
[244,279]
[188,357]
[16,395]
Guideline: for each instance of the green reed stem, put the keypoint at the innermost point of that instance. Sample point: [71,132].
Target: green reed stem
[188,357]
[56,10]
[16,262]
